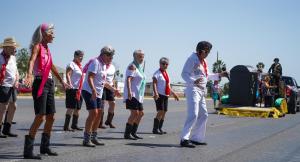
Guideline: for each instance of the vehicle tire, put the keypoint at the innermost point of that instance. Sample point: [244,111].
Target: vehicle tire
[297,107]
[292,105]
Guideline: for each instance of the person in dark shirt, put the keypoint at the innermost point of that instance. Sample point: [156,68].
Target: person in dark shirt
[276,72]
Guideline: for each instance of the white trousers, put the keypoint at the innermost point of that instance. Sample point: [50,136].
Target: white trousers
[195,124]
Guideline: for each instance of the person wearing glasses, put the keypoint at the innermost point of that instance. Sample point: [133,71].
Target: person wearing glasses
[134,89]
[73,102]
[40,63]
[161,92]
[92,91]
[9,77]
[196,73]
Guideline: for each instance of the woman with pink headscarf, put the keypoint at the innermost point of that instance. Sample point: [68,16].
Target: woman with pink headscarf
[40,64]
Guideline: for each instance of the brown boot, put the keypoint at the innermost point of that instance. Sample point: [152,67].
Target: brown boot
[109,119]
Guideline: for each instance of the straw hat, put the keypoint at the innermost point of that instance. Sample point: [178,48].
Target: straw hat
[8,42]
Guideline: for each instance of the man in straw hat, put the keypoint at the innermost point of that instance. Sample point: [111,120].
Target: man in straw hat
[8,82]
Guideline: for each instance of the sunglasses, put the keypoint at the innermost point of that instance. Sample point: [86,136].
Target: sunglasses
[109,55]
[164,63]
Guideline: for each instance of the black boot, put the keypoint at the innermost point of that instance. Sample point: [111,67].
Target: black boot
[161,123]
[75,123]
[109,119]
[28,148]
[155,126]
[134,130]
[2,135]
[101,122]
[127,132]
[45,143]
[6,130]
[67,122]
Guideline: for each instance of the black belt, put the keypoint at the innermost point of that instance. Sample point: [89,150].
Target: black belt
[40,77]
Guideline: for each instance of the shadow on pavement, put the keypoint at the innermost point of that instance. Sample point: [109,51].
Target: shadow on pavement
[61,126]
[11,156]
[111,138]
[153,145]
[53,130]
[137,132]
[104,138]
[66,145]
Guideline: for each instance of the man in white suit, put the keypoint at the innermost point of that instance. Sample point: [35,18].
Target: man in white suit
[196,74]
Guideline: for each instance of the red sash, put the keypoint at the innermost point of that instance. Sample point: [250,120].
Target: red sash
[166,76]
[203,63]
[106,66]
[78,93]
[46,70]
[3,68]
[85,68]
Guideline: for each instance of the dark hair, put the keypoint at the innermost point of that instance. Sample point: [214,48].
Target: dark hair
[203,45]
[78,53]
[276,59]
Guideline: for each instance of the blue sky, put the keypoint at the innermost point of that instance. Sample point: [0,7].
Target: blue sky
[244,32]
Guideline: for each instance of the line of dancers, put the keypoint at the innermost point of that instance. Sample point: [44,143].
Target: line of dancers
[94,83]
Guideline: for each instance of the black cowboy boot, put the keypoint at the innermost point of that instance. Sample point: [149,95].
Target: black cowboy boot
[87,140]
[109,119]
[45,143]
[134,130]
[2,135]
[101,122]
[155,126]
[75,123]
[6,130]
[28,148]
[67,122]
[94,139]
[127,132]
[186,143]
[161,122]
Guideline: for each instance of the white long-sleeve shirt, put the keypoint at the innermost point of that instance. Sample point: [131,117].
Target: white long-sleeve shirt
[193,70]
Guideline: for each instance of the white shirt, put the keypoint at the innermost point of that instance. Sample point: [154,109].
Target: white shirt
[11,71]
[76,74]
[98,69]
[110,74]
[192,70]
[161,82]
[136,82]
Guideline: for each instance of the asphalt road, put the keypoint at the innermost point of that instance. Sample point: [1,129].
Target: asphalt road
[229,139]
